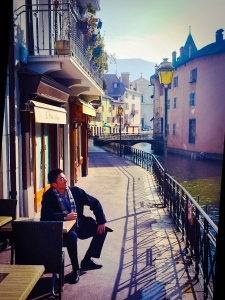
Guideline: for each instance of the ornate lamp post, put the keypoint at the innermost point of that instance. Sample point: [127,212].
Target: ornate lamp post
[120,113]
[165,72]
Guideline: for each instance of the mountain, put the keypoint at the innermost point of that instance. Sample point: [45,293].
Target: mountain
[135,66]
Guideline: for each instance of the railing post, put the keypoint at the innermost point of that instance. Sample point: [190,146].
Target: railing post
[164,188]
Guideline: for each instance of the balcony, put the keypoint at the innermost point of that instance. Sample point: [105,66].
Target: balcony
[134,112]
[49,25]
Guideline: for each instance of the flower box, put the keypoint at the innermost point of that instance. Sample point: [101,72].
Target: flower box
[62,47]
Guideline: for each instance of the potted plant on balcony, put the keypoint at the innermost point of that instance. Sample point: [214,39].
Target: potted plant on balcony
[62,45]
[86,22]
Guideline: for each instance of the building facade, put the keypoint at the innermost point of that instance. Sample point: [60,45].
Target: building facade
[120,89]
[50,86]
[196,102]
[142,85]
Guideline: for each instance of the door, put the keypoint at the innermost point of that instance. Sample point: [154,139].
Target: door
[42,149]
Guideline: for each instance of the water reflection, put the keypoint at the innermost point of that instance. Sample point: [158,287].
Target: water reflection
[201,178]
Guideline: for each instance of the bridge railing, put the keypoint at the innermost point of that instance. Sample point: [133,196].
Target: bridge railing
[199,232]
[116,136]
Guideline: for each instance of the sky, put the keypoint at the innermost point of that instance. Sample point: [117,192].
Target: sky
[152,29]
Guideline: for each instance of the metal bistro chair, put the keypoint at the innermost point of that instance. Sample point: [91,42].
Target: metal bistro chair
[7,208]
[40,243]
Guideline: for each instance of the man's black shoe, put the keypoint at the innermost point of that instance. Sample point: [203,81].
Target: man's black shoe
[75,276]
[90,264]
[108,229]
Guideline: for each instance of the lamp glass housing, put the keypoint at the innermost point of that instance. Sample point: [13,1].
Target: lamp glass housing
[120,110]
[165,77]
[165,72]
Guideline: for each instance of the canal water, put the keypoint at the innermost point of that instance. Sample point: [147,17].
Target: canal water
[201,178]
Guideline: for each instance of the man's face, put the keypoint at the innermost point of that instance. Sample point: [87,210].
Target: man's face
[61,182]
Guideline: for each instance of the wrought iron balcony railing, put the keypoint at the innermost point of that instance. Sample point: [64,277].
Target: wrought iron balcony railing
[46,24]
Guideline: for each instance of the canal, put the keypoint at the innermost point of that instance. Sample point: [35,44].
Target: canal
[201,178]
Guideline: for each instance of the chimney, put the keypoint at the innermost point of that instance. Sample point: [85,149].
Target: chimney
[125,78]
[174,57]
[219,37]
[136,87]
[182,53]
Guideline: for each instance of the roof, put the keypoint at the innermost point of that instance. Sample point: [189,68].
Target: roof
[213,48]
[113,91]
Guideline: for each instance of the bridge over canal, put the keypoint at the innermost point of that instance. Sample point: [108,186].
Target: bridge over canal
[130,139]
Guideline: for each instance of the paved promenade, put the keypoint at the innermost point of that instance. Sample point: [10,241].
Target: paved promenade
[143,257]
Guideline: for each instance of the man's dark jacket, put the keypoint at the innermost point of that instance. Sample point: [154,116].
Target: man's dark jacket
[50,210]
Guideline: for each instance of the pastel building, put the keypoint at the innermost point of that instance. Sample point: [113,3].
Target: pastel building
[196,100]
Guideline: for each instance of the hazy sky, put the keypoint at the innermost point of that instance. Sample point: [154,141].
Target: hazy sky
[153,29]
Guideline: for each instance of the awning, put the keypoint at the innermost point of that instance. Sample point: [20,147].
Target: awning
[45,113]
[106,125]
[87,108]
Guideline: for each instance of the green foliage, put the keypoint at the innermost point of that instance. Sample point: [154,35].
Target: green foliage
[91,9]
[208,190]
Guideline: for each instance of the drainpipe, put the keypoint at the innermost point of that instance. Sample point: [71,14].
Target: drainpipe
[12,147]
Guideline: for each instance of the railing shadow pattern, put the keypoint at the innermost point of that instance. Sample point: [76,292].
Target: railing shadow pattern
[198,230]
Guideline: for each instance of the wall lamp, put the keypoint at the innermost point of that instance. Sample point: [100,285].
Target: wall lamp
[75,124]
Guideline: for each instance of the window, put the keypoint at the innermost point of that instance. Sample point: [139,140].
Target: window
[126,95]
[168,129]
[113,107]
[133,97]
[193,75]
[175,81]
[126,105]
[142,99]
[192,131]
[168,104]
[115,85]
[192,99]
[174,129]
[175,102]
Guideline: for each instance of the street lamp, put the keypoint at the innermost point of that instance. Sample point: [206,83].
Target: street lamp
[120,112]
[165,72]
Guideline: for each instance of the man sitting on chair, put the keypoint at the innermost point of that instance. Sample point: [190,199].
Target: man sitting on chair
[61,202]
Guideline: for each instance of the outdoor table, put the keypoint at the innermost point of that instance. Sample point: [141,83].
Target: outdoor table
[4,220]
[67,225]
[17,281]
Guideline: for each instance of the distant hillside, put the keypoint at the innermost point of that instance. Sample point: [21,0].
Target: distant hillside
[134,66]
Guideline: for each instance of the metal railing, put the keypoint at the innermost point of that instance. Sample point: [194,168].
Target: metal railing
[47,23]
[125,136]
[199,232]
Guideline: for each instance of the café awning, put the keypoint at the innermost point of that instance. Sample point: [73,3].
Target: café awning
[45,113]
[87,108]
[106,125]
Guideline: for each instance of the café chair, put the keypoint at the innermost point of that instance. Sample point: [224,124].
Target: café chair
[40,243]
[7,208]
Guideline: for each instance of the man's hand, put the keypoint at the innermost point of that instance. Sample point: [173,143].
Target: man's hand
[71,216]
[101,229]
